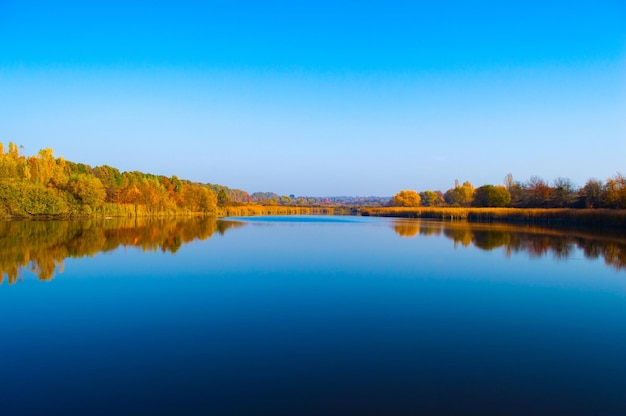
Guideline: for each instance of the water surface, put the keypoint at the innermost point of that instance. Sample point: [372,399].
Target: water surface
[310,315]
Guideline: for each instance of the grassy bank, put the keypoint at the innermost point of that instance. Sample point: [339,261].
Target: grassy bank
[604,218]
[550,216]
[140,211]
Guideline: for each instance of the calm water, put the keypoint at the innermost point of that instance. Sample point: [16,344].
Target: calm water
[310,315]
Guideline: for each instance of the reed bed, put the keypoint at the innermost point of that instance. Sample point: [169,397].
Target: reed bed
[255,210]
[544,216]
[252,210]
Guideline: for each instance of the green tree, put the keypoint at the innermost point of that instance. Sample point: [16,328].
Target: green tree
[222,197]
[492,196]
[431,198]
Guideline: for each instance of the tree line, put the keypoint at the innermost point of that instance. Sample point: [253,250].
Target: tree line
[534,193]
[43,184]
[46,185]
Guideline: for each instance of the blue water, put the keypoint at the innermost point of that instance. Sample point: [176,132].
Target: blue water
[320,315]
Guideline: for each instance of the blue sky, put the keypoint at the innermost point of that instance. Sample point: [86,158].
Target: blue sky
[324,97]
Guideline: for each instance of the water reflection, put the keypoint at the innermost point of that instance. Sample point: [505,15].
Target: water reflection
[535,241]
[41,246]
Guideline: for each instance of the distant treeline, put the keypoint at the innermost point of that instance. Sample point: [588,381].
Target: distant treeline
[234,197]
[43,185]
[534,193]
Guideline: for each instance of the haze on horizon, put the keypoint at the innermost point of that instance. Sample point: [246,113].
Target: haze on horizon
[320,98]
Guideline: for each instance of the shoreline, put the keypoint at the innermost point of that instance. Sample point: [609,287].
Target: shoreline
[595,218]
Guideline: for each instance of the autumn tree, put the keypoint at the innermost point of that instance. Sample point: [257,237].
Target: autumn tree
[593,193]
[431,198]
[516,190]
[492,196]
[615,192]
[537,192]
[460,195]
[131,194]
[406,198]
[112,181]
[88,190]
[207,200]
[14,152]
[222,197]
[563,193]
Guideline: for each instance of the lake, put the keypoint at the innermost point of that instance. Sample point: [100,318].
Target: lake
[310,315]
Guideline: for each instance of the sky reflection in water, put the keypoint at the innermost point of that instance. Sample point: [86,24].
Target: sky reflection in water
[312,316]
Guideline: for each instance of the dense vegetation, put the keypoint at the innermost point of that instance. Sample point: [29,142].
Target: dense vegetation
[534,193]
[604,218]
[45,185]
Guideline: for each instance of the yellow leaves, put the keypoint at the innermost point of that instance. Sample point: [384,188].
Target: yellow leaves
[406,198]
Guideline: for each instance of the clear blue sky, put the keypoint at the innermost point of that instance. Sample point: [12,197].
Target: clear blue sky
[321,97]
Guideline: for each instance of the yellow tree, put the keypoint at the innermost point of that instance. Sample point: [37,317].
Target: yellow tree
[616,192]
[460,195]
[130,194]
[406,198]
[88,190]
[13,151]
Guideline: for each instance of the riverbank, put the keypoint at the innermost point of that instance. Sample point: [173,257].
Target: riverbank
[604,218]
[255,210]
[243,210]
[597,218]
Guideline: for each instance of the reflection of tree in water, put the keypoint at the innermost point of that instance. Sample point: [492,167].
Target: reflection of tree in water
[535,241]
[41,246]
[408,228]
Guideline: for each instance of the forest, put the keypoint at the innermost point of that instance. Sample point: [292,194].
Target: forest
[44,185]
